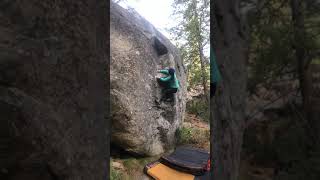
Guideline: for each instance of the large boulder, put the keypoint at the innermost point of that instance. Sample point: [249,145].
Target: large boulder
[52,89]
[140,122]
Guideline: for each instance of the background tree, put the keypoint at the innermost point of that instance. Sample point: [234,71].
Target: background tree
[284,40]
[192,37]
[304,51]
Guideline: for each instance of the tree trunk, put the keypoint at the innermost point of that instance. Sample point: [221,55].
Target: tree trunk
[303,64]
[203,74]
[228,105]
[201,56]
[299,34]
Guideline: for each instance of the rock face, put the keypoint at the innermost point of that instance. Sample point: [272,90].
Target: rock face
[140,123]
[52,89]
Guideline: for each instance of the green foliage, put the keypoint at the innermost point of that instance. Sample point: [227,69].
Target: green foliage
[272,44]
[316,61]
[192,37]
[115,174]
[131,163]
[200,108]
[195,74]
[270,48]
[132,168]
[187,135]
[184,135]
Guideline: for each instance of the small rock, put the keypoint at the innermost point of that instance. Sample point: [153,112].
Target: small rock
[117,165]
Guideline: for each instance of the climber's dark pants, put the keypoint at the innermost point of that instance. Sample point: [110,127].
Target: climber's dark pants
[213,88]
[168,93]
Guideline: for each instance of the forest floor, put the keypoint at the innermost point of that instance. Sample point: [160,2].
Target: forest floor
[194,132]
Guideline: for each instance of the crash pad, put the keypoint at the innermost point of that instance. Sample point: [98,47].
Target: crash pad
[160,171]
[188,159]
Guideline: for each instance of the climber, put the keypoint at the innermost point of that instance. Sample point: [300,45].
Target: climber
[170,83]
[215,76]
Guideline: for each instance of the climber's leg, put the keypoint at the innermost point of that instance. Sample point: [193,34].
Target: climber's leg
[164,94]
[169,94]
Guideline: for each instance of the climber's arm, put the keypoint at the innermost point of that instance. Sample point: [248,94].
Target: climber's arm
[164,71]
[165,79]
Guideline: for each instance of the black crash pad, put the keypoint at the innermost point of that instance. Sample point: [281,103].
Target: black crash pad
[187,159]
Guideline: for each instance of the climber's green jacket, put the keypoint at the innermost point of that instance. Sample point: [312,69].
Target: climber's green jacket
[215,76]
[173,82]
